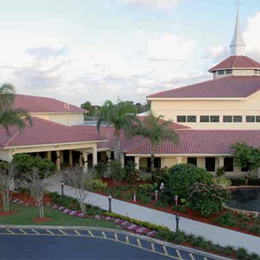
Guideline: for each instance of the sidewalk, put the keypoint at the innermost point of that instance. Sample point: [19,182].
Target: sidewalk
[217,235]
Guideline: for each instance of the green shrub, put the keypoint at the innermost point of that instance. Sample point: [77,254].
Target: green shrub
[115,171]
[255,229]
[208,199]
[161,175]
[227,220]
[175,237]
[100,169]
[132,175]
[183,176]
[96,185]
[224,182]
[25,164]
[220,172]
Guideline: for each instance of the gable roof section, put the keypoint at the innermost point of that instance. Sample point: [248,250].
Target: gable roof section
[43,132]
[35,104]
[201,142]
[236,62]
[226,87]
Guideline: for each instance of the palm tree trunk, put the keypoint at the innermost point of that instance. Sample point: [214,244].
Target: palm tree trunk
[117,147]
[152,162]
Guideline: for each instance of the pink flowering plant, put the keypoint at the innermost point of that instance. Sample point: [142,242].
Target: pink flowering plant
[208,199]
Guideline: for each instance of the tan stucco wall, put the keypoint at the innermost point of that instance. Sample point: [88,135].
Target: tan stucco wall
[172,108]
[64,119]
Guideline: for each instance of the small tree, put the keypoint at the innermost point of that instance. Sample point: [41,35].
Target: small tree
[37,187]
[246,157]
[7,175]
[156,130]
[78,179]
[116,172]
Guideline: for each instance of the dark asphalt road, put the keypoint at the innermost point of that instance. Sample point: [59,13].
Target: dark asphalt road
[56,247]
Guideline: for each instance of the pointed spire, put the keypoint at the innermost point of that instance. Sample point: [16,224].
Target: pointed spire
[238,45]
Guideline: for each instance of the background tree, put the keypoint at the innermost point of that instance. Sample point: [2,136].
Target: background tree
[7,174]
[80,180]
[93,110]
[156,130]
[246,157]
[10,116]
[121,115]
[36,187]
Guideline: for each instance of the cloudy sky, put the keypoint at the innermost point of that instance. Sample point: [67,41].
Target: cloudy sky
[78,50]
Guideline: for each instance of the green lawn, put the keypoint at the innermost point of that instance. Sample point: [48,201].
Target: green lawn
[25,216]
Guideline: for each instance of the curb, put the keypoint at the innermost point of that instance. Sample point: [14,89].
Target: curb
[149,239]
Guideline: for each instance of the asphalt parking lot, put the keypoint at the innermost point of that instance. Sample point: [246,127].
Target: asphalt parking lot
[49,243]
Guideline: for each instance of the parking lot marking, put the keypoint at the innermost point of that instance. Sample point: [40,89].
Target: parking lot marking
[165,250]
[10,231]
[179,254]
[37,233]
[62,232]
[191,256]
[116,237]
[77,233]
[104,234]
[127,240]
[153,248]
[23,231]
[90,233]
[50,232]
[139,242]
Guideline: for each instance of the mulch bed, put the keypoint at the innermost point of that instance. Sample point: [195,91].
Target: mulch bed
[41,220]
[26,198]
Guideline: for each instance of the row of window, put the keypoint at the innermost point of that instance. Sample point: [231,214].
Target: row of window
[216,119]
[229,71]
[210,164]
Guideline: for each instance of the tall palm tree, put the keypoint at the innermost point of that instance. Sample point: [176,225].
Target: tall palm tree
[156,130]
[10,116]
[121,116]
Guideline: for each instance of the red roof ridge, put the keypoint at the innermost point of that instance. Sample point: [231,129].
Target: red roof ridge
[234,61]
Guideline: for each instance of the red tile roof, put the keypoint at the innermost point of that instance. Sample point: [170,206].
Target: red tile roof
[202,142]
[226,87]
[35,104]
[44,132]
[126,143]
[236,62]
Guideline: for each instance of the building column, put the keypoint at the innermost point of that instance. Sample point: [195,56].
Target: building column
[221,162]
[85,157]
[70,158]
[108,154]
[80,160]
[95,157]
[123,159]
[61,157]
[49,156]
[179,160]
[137,160]
[58,160]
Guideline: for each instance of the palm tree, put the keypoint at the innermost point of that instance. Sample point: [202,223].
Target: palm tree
[10,116]
[156,130]
[121,115]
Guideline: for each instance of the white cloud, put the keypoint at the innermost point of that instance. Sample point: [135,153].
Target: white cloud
[252,36]
[216,51]
[170,47]
[150,4]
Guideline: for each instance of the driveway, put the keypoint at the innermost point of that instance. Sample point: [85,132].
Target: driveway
[69,243]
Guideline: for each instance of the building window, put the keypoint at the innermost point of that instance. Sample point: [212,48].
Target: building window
[256,71]
[237,119]
[227,119]
[250,119]
[221,72]
[204,119]
[214,119]
[245,169]
[210,164]
[191,119]
[228,71]
[192,160]
[229,164]
[257,119]
[181,119]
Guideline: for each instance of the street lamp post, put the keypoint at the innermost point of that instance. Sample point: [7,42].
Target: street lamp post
[62,188]
[177,217]
[110,203]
